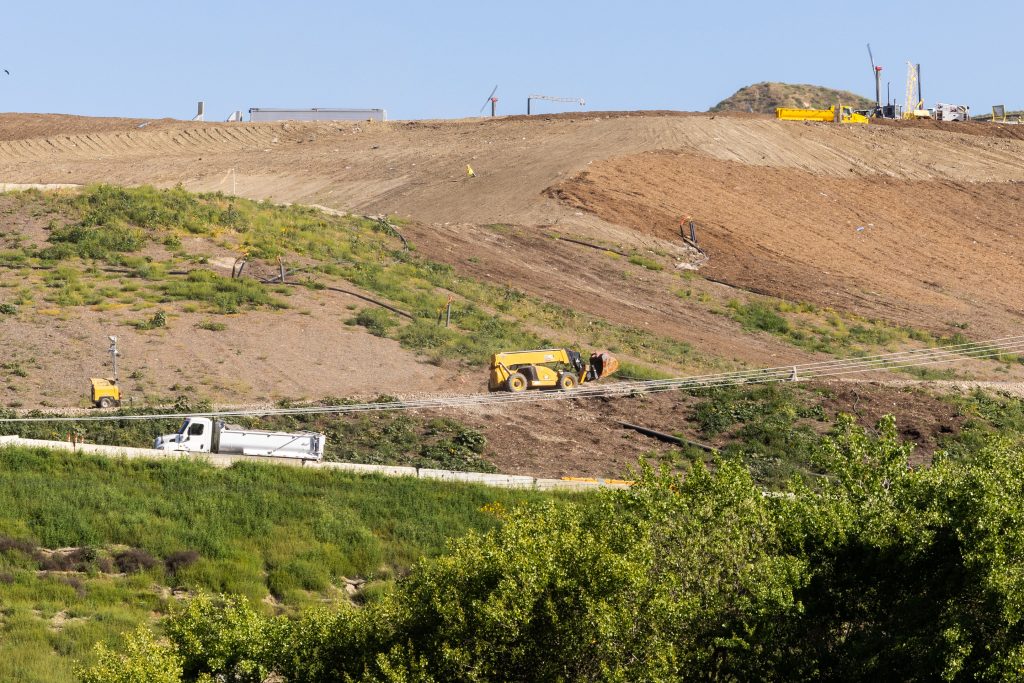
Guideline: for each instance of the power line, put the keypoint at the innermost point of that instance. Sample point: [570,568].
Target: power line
[805,371]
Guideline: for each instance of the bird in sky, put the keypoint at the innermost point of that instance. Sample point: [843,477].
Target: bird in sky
[7,72]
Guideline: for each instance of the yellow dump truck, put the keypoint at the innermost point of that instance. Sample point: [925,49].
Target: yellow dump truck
[517,371]
[843,115]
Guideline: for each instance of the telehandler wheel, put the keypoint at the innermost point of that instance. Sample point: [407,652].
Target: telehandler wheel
[516,382]
[105,402]
[567,381]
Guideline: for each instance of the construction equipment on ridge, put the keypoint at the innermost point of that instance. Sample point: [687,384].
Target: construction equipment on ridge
[575,100]
[517,371]
[832,114]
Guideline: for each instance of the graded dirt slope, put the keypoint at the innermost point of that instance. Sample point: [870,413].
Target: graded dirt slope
[917,252]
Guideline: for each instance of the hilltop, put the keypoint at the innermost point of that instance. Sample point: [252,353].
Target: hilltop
[763,98]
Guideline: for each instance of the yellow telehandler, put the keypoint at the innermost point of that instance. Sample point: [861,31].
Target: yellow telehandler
[517,371]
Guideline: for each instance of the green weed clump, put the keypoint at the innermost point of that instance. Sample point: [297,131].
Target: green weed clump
[148,208]
[759,315]
[224,294]
[644,262]
[377,321]
[93,241]
[158,320]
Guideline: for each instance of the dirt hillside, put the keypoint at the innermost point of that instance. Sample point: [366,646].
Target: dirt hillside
[916,225]
[917,252]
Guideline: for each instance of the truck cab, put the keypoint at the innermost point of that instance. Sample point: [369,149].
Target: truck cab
[195,436]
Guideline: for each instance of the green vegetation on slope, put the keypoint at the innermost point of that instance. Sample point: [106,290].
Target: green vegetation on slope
[763,98]
[113,248]
[883,572]
[251,530]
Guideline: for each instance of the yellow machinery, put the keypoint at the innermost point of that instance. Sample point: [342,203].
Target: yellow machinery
[844,115]
[105,393]
[517,371]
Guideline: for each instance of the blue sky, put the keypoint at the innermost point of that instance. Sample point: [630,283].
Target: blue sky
[441,59]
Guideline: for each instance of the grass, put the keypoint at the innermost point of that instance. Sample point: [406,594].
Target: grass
[223,294]
[643,261]
[828,331]
[254,530]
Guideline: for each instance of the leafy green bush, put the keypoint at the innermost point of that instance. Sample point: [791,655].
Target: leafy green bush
[8,309]
[96,241]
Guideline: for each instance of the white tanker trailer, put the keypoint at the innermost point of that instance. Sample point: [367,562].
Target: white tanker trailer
[204,435]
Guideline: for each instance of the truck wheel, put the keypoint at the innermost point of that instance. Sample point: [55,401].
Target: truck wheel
[516,382]
[567,381]
[105,402]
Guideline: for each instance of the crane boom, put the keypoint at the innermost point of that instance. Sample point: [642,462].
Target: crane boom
[552,98]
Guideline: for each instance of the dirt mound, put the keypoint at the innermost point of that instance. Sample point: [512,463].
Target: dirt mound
[26,126]
[763,98]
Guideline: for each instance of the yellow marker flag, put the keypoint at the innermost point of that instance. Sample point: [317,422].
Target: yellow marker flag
[469,172]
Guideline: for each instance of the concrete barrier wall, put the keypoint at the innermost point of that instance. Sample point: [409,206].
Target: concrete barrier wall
[219,460]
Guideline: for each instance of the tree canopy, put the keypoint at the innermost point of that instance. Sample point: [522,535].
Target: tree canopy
[877,570]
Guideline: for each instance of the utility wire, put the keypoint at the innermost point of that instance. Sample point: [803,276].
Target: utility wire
[806,371]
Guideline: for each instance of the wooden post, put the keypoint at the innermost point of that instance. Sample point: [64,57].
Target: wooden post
[280,265]
[448,314]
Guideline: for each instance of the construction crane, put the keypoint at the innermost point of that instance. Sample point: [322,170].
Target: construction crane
[913,106]
[549,98]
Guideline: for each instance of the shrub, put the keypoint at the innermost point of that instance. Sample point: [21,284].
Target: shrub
[134,560]
[377,321]
[7,544]
[227,295]
[212,326]
[180,559]
[99,242]
[758,315]
[159,319]
[8,309]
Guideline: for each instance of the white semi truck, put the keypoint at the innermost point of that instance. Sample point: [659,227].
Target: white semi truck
[205,435]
